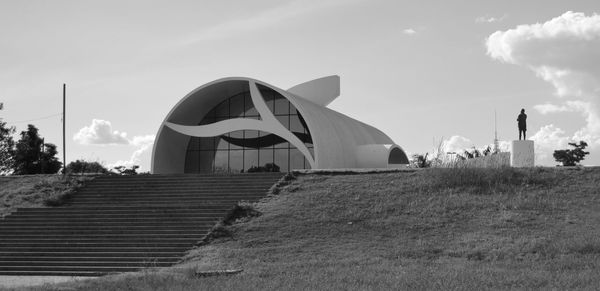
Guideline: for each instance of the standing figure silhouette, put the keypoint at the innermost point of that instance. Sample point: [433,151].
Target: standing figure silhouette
[522,120]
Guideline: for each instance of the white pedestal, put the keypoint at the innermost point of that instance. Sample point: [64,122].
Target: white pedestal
[522,153]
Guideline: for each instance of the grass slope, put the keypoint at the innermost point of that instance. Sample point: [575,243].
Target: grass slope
[432,229]
[35,191]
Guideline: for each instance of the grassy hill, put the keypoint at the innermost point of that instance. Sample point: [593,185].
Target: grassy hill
[432,229]
[36,191]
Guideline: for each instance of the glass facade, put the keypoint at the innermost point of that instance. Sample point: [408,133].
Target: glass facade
[243,150]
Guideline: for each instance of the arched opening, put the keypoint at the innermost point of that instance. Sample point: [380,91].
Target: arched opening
[397,157]
[243,150]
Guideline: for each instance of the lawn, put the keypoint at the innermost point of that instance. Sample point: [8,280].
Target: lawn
[464,229]
[36,191]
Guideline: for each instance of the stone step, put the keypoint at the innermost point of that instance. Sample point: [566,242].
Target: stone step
[54,273]
[176,182]
[100,238]
[93,245]
[123,224]
[99,218]
[128,207]
[79,254]
[108,219]
[73,258]
[171,197]
[109,209]
[73,269]
[89,240]
[84,232]
[109,224]
[128,200]
[86,249]
[191,177]
[92,263]
[172,191]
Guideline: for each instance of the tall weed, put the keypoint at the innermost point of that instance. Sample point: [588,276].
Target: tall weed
[489,180]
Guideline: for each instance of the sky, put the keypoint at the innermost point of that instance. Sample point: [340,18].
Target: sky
[424,72]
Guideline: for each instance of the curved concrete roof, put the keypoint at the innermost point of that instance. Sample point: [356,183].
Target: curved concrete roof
[337,138]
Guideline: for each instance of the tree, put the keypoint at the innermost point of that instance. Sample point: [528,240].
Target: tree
[572,157]
[7,145]
[33,156]
[81,166]
[421,161]
[123,170]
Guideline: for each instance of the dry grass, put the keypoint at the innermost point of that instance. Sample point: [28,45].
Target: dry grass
[467,229]
[36,191]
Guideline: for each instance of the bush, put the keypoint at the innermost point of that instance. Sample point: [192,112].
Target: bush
[571,157]
[122,170]
[269,167]
[59,192]
[82,167]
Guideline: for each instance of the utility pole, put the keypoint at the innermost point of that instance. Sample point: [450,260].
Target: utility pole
[64,122]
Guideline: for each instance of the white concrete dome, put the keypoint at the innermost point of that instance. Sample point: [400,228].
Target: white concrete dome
[236,124]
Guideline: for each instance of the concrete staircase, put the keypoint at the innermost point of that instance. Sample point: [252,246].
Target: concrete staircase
[122,223]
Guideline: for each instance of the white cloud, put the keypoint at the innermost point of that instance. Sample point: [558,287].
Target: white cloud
[564,51]
[548,139]
[457,144]
[569,106]
[139,157]
[142,140]
[409,31]
[100,132]
[489,19]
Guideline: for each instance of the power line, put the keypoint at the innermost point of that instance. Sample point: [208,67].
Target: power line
[34,119]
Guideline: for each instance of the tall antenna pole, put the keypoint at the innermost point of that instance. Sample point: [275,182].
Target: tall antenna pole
[496,146]
[64,122]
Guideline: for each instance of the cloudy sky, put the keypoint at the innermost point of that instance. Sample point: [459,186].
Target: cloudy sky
[421,71]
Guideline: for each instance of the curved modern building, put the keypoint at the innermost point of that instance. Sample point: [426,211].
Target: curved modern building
[238,124]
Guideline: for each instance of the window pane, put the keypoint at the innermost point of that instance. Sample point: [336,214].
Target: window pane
[236,136]
[282,106]
[295,125]
[206,161]
[208,119]
[265,156]
[207,143]
[222,109]
[283,145]
[194,144]
[222,144]
[192,162]
[268,97]
[251,133]
[281,159]
[296,159]
[284,120]
[250,159]
[249,107]
[221,161]
[237,106]
[236,160]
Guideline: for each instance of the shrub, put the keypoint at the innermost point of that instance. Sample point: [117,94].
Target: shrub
[82,167]
[571,157]
[269,167]
[122,170]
